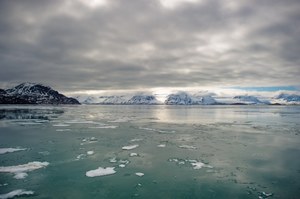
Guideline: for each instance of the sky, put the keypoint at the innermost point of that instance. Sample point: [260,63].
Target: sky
[112,45]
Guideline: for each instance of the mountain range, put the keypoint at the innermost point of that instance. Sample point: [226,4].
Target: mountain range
[32,93]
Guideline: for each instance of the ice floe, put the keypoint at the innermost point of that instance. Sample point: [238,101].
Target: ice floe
[24,167]
[62,130]
[263,195]
[161,145]
[2,185]
[10,150]
[130,147]
[61,125]
[187,147]
[136,140]
[139,174]
[103,127]
[45,153]
[80,156]
[20,175]
[133,154]
[122,165]
[194,163]
[113,160]
[89,140]
[15,193]
[101,172]
[90,152]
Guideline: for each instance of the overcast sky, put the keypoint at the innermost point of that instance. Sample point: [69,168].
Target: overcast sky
[73,45]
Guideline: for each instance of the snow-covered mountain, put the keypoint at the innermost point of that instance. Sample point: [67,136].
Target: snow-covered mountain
[248,99]
[284,98]
[32,93]
[183,98]
[143,99]
[115,99]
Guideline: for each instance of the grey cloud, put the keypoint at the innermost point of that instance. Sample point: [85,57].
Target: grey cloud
[139,44]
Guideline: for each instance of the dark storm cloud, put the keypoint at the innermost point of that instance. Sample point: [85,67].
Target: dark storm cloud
[129,44]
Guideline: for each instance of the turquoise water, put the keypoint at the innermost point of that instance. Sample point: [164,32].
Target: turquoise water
[244,151]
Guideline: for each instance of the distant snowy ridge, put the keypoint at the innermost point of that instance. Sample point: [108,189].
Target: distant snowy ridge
[183,98]
[32,93]
[129,100]
[284,98]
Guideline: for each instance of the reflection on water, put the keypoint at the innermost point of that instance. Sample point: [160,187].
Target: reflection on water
[29,114]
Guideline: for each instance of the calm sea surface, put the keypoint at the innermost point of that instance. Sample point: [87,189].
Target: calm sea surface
[183,151]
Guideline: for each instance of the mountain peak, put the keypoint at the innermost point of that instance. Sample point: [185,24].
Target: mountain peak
[34,93]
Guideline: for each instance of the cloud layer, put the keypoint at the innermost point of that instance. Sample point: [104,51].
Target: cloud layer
[140,44]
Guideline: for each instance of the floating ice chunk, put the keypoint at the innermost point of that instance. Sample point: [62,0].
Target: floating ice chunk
[18,192]
[103,127]
[124,161]
[122,165]
[100,172]
[187,147]
[130,147]
[61,125]
[136,140]
[139,174]
[133,154]
[10,150]
[20,175]
[62,130]
[265,195]
[90,152]
[173,160]
[199,165]
[2,185]
[44,153]
[161,145]
[147,129]
[80,156]
[113,160]
[24,167]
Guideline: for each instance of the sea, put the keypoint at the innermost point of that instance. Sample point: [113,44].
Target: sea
[151,152]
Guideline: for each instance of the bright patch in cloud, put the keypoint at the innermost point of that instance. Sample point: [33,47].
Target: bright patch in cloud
[171,4]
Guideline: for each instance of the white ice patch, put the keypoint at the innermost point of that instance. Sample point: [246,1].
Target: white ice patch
[130,147]
[100,172]
[103,127]
[89,140]
[113,160]
[139,174]
[60,125]
[62,130]
[20,175]
[199,165]
[24,167]
[80,156]
[10,150]
[136,140]
[122,165]
[18,192]
[124,161]
[133,154]
[187,147]
[90,152]
[161,145]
